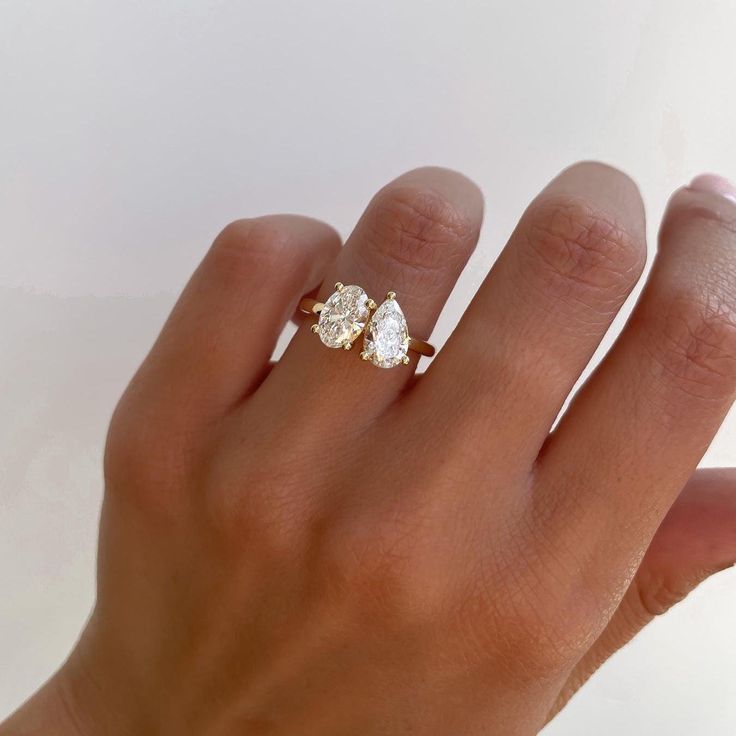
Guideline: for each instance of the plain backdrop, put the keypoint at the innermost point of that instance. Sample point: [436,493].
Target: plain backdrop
[130,133]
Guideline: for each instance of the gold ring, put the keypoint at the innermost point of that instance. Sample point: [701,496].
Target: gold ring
[349,312]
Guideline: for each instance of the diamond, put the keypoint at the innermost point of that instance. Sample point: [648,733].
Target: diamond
[343,317]
[386,338]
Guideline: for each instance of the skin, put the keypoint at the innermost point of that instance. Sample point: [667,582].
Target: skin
[324,547]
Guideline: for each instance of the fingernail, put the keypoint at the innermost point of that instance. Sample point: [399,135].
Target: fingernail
[715,185]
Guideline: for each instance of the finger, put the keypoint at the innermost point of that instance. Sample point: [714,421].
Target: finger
[637,429]
[414,239]
[537,319]
[696,539]
[222,331]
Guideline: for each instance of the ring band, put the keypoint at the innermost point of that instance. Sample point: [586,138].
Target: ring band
[349,312]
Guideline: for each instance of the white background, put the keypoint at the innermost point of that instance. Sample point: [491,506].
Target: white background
[131,132]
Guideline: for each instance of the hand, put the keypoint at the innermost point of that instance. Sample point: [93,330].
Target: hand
[326,547]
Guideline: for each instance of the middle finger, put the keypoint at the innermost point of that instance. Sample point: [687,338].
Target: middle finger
[540,314]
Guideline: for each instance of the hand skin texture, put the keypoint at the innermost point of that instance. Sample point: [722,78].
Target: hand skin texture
[322,547]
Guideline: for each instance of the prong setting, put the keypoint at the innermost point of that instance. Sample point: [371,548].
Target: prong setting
[343,316]
[350,312]
[386,336]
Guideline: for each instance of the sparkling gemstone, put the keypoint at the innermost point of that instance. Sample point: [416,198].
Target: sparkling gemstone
[343,317]
[386,338]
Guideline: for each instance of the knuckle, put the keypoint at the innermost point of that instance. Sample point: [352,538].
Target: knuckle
[547,633]
[695,347]
[533,595]
[137,465]
[541,649]
[581,253]
[504,624]
[264,503]
[656,594]
[533,644]
[376,566]
[249,246]
[417,228]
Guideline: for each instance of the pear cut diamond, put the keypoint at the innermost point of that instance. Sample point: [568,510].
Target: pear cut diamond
[343,317]
[386,338]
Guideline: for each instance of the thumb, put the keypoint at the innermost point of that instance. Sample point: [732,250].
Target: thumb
[696,539]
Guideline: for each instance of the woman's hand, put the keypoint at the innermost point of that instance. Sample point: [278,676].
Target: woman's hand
[327,547]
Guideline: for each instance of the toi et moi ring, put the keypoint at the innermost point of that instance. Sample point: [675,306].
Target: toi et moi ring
[349,312]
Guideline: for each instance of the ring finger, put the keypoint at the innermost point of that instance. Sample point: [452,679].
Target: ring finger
[414,239]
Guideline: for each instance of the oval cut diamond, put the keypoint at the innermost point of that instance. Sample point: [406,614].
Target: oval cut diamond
[386,338]
[343,317]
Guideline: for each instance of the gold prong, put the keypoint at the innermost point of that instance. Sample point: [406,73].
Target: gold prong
[315,328]
[405,360]
[364,355]
[391,295]
[371,304]
[339,286]
[347,346]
